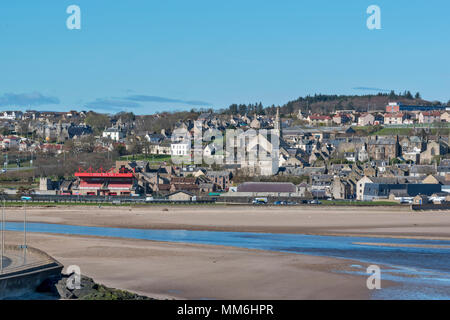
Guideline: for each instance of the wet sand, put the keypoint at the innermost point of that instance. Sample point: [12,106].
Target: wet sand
[188,271]
[185,271]
[373,221]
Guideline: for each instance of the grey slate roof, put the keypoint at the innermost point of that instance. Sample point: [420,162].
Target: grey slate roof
[266,187]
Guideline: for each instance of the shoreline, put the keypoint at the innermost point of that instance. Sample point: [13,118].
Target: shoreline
[342,221]
[249,230]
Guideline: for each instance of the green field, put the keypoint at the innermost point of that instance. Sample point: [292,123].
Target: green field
[402,131]
[408,131]
[12,165]
[393,132]
[5,184]
[147,157]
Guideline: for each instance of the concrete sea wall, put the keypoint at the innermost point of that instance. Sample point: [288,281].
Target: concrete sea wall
[20,280]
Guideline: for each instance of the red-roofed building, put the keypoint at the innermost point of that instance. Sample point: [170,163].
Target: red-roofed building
[341,118]
[394,118]
[113,182]
[10,142]
[429,117]
[319,119]
[54,148]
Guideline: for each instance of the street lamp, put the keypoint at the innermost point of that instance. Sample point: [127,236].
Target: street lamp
[24,246]
[3,237]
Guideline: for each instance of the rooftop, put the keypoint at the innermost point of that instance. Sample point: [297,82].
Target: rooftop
[266,187]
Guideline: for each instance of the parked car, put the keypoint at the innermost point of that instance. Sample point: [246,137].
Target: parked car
[260,201]
[315,202]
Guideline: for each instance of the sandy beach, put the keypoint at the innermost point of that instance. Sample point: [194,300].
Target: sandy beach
[184,271]
[374,221]
[188,271]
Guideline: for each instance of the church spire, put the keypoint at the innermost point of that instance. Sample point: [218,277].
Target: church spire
[277,124]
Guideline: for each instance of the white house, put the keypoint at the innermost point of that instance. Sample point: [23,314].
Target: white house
[10,115]
[394,118]
[159,149]
[113,133]
[366,119]
[360,187]
[305,145]
[180,149]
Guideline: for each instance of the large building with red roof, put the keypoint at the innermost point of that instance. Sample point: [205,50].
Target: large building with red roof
[113,182]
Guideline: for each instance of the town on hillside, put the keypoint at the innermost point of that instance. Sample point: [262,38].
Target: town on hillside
[396,152]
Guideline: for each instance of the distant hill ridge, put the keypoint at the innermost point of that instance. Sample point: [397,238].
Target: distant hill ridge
[327,104]
[332,103]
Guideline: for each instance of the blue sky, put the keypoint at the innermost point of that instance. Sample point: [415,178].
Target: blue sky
[149,56]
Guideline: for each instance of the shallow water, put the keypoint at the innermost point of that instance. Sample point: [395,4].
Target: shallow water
[423,273]
[5,261]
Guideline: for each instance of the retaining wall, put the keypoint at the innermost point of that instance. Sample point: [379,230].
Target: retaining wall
[431,206]
[18,281]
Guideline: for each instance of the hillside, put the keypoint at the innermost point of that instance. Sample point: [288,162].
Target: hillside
[331,103]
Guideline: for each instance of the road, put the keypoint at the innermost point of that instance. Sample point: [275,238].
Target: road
[20,169]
